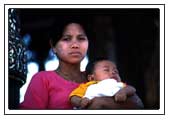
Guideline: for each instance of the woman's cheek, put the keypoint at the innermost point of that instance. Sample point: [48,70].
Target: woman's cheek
[61,50]
[85,47]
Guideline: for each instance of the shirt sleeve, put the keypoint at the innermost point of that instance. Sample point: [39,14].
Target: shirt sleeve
[36,96]
[80,91]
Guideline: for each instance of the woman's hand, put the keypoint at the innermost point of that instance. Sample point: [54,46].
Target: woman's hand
[120,96]
[124,93]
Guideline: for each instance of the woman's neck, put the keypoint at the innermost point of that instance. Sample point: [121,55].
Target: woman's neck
[70,72]
[69,68]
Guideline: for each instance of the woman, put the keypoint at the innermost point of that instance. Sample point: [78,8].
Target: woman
[51,89]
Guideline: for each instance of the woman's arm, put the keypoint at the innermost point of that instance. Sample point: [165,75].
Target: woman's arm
[129,90]
[132,102]
[124,93]
[36,96]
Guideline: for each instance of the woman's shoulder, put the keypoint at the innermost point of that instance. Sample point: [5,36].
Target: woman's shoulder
[45,77]
[45,74]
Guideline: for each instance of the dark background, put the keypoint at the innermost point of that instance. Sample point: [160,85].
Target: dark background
[128,36]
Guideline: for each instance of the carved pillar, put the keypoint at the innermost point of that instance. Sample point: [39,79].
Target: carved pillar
[16,60]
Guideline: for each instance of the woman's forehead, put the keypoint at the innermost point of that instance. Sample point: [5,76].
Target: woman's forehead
[73,27]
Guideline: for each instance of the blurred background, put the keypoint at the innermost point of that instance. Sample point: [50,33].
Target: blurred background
[130,37]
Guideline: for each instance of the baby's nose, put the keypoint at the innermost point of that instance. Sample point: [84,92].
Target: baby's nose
[114,71]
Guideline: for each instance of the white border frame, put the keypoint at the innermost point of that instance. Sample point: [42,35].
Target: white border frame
[161,111]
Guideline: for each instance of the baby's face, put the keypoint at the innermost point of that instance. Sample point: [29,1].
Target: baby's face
[105,70]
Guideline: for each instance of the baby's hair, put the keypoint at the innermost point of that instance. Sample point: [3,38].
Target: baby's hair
[90,66]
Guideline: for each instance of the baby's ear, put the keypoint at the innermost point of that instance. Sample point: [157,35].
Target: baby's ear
[119,79]
[90,77]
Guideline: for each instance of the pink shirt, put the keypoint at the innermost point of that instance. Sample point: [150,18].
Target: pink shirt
[47,90]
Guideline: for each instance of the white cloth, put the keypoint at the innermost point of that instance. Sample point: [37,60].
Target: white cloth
[107,87]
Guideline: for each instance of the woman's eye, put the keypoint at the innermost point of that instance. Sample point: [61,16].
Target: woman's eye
[81,38]
[66,39]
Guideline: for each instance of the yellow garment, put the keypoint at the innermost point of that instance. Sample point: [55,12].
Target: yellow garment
[80,91]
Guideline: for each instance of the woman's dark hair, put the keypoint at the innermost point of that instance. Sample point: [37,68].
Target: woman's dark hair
[90,66]
[57,28]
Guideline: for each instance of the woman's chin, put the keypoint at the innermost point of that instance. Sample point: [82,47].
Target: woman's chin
[75,60]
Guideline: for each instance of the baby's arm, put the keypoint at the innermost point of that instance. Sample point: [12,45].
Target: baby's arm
[85,102]
[79,102]
[123,93]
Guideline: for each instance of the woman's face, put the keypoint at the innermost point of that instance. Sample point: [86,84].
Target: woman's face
[73,45]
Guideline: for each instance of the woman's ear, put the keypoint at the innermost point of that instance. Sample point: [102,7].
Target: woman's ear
[90,77]
[54,50]
[52,47]
[50,42]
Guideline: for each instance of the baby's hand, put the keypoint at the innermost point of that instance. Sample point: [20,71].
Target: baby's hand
[120,96]
[85,102]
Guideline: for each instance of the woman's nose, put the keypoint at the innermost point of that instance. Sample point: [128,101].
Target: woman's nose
[74,44]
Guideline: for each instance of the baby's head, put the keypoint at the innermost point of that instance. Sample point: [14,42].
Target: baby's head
[102,69]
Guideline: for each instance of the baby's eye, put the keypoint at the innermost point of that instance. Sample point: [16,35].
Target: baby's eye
[116,71]
[107,70]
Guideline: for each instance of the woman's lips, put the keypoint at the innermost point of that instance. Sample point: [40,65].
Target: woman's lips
[75,53]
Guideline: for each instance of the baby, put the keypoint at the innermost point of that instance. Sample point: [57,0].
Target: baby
[104,80]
